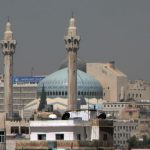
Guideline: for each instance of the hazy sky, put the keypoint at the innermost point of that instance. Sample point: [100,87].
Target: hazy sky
[116,30]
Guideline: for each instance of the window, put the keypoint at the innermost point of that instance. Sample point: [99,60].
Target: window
[41,136]
[2,137]
[130,113]
[79,93]
[87,93]
[65,93]
[15,130]
[103,94]
[105,137]
[78,137]
[24,130]
[59,136]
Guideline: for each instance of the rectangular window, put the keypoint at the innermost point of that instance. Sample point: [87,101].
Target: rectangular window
[41,136]
[105,137]
[2,137]
[78,137]
[15,130]
[24,130]
[59,136]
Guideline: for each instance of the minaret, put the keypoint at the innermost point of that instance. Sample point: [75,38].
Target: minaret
[8,46]
[72,45]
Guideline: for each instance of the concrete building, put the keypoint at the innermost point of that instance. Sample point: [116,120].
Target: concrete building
[127,110]
[70,130]
[8,45]
[138,90]
[123,130]
[24,91]
[113,81]
[142,129]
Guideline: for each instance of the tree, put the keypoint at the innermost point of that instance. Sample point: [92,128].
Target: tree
[136,143]
[43,101]
[132,142]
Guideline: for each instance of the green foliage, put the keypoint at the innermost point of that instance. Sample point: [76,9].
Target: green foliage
[134,142]
[43,101]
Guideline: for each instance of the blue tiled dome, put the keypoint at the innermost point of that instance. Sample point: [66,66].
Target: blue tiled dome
[56,85]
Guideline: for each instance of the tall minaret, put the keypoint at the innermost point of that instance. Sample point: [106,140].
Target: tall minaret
[72,45]
[8,46]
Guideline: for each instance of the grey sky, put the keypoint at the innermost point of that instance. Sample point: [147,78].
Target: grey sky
[116,30]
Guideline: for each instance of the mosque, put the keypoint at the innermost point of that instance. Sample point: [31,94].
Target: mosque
[90,88]
[95,81]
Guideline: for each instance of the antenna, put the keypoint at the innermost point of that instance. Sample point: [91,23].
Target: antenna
[72,15]
[8,18]
[32,71]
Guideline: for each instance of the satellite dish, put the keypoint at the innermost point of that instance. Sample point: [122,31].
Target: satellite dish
[102,116]
[52,116]
[66,116]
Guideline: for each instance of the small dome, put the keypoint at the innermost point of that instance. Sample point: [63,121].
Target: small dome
[56,85]
[81,65]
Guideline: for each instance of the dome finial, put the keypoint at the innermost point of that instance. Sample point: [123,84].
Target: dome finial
[8,24]
[8,19]
[72,26]
[72,16]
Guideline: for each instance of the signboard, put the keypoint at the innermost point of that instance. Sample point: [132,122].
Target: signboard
[27,79]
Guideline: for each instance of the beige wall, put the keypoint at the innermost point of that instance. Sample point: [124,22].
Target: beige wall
[114,82]
[138,90]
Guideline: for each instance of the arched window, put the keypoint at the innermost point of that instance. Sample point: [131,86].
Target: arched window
[79,93]
[87,93]
[12,46]
[59,93]
[69,40]
[5,45]
[65,93]
[90,93]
